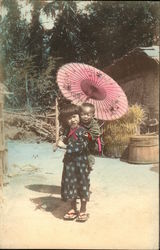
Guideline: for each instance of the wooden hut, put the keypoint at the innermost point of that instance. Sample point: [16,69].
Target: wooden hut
[138,74]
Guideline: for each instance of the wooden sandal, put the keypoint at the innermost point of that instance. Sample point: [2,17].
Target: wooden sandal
[71,215]
[82,217]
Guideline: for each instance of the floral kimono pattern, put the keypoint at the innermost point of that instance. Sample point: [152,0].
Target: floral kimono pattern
[75,177]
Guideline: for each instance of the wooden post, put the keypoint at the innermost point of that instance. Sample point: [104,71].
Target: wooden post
[55,145]
[57,122]
[3,159]
[2,138]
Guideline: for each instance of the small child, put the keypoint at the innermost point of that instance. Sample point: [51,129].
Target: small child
[87,111]
[75,177]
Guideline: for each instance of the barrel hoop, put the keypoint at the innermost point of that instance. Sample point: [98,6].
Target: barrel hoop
[137,146]
[141,162]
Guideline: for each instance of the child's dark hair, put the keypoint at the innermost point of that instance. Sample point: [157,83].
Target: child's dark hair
[67,111]
[90,105]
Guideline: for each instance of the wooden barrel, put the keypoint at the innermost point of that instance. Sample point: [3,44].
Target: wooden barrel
[144,149]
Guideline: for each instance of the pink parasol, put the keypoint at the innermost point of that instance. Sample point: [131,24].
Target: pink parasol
[83,83]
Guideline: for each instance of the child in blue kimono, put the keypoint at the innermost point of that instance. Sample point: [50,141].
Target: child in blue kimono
[75,181]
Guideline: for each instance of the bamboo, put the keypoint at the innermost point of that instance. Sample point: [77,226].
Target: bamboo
[55,145]
[27,94]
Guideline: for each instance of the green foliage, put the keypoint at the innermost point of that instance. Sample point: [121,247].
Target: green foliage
[29,70]
[13,32]
[106,31]
[30,87]
[119,26]
[64,40]
[34,42]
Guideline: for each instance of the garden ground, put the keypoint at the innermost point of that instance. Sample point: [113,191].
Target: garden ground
[123,206]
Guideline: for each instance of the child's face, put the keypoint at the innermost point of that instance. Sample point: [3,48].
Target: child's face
[86,115]
[73,121]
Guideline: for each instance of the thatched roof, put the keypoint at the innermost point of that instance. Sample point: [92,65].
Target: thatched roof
[137,60]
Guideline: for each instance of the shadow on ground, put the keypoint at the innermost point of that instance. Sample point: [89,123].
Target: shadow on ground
[52,204]
[155,168]
[51,189]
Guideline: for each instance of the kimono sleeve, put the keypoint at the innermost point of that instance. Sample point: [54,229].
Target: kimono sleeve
[94,131]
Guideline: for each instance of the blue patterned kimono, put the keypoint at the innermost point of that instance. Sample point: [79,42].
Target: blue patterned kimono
[75,177]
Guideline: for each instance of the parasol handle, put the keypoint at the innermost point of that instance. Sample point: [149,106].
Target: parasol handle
[87,98]
[57,126]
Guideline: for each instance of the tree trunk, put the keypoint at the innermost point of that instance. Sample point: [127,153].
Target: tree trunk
[29,108]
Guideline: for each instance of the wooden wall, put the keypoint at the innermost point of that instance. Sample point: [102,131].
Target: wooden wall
[138,75]
[144,90]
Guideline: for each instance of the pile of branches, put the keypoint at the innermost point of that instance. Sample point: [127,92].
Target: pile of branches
[42,124]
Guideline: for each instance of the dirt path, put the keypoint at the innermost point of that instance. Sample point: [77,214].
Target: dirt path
[123,207]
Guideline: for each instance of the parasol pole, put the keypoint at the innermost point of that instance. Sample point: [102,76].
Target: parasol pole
[55,145]
[57,122]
